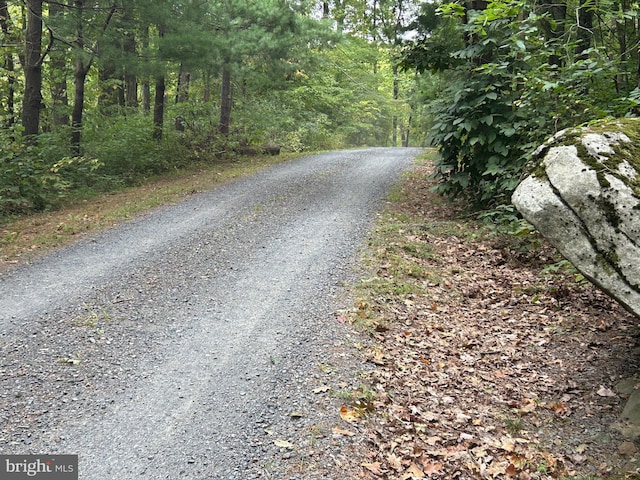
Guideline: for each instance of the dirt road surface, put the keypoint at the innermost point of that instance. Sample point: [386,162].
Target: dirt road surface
[184,344]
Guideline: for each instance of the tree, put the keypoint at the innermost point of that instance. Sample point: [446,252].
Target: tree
[58,70]
[8,63]
[33,58]
[518,72]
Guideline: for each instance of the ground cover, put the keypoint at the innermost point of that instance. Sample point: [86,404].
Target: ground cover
[492,359]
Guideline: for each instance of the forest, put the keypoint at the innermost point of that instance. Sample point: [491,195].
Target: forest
[96,95]
[99,94]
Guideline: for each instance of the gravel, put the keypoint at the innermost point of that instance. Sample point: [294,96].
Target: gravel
[199,341]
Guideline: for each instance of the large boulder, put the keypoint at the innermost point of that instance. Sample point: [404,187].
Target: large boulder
[584,196]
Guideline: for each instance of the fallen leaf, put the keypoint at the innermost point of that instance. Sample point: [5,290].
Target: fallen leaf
[394,462]
[507,444]
[348,414]
[283,444]
[321,389]
[529,407]
[511,470]
[558,407]
[414,471]
[433,440]
[373,467]
[378,358]
[497,469]
[605,392]
[431,468]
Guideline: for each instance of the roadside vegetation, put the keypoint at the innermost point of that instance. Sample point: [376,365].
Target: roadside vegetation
[25,237]
[492,357]
[97,96]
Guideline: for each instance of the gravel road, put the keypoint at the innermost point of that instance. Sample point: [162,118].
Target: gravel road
[199,341]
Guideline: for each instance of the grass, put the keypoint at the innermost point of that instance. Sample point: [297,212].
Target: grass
[26,237]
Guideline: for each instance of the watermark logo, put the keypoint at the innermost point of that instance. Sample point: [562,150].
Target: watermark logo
[39,467]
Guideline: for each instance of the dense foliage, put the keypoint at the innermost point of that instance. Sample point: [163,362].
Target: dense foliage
[94,95]
[516,72]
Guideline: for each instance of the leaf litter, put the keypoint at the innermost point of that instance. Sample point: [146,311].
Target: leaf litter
[483,365]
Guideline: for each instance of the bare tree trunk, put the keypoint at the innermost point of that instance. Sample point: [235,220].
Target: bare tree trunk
[146,95]
[396,94]
[225,102]
[130,78]
[80,70]
[158,108]
[79,79]
[131,90]
[32,101]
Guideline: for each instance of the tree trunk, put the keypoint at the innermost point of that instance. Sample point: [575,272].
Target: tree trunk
[396,95]
[184,80]
[111,87]
[621,34]
[182,95]
[407,132]
[79,79]
[225,102]
[32,101]
[9,64]
[585,28]
[146,95]
[58,77]
[130,78]
[82,66]
[158,108]
[131,90]
[80,71]
[146,86]
[638,54]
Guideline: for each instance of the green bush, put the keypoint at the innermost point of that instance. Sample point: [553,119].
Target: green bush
[34,178]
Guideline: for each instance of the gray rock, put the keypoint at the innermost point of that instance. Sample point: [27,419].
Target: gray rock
[584,197]
[629,422]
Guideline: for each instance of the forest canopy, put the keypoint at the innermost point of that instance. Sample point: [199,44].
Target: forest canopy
[96,94]
[100,93]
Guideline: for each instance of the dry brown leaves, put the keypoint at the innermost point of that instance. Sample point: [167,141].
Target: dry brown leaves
[493,370]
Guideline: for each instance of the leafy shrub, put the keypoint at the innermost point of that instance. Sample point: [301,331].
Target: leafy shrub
[31,180]
[505,97]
